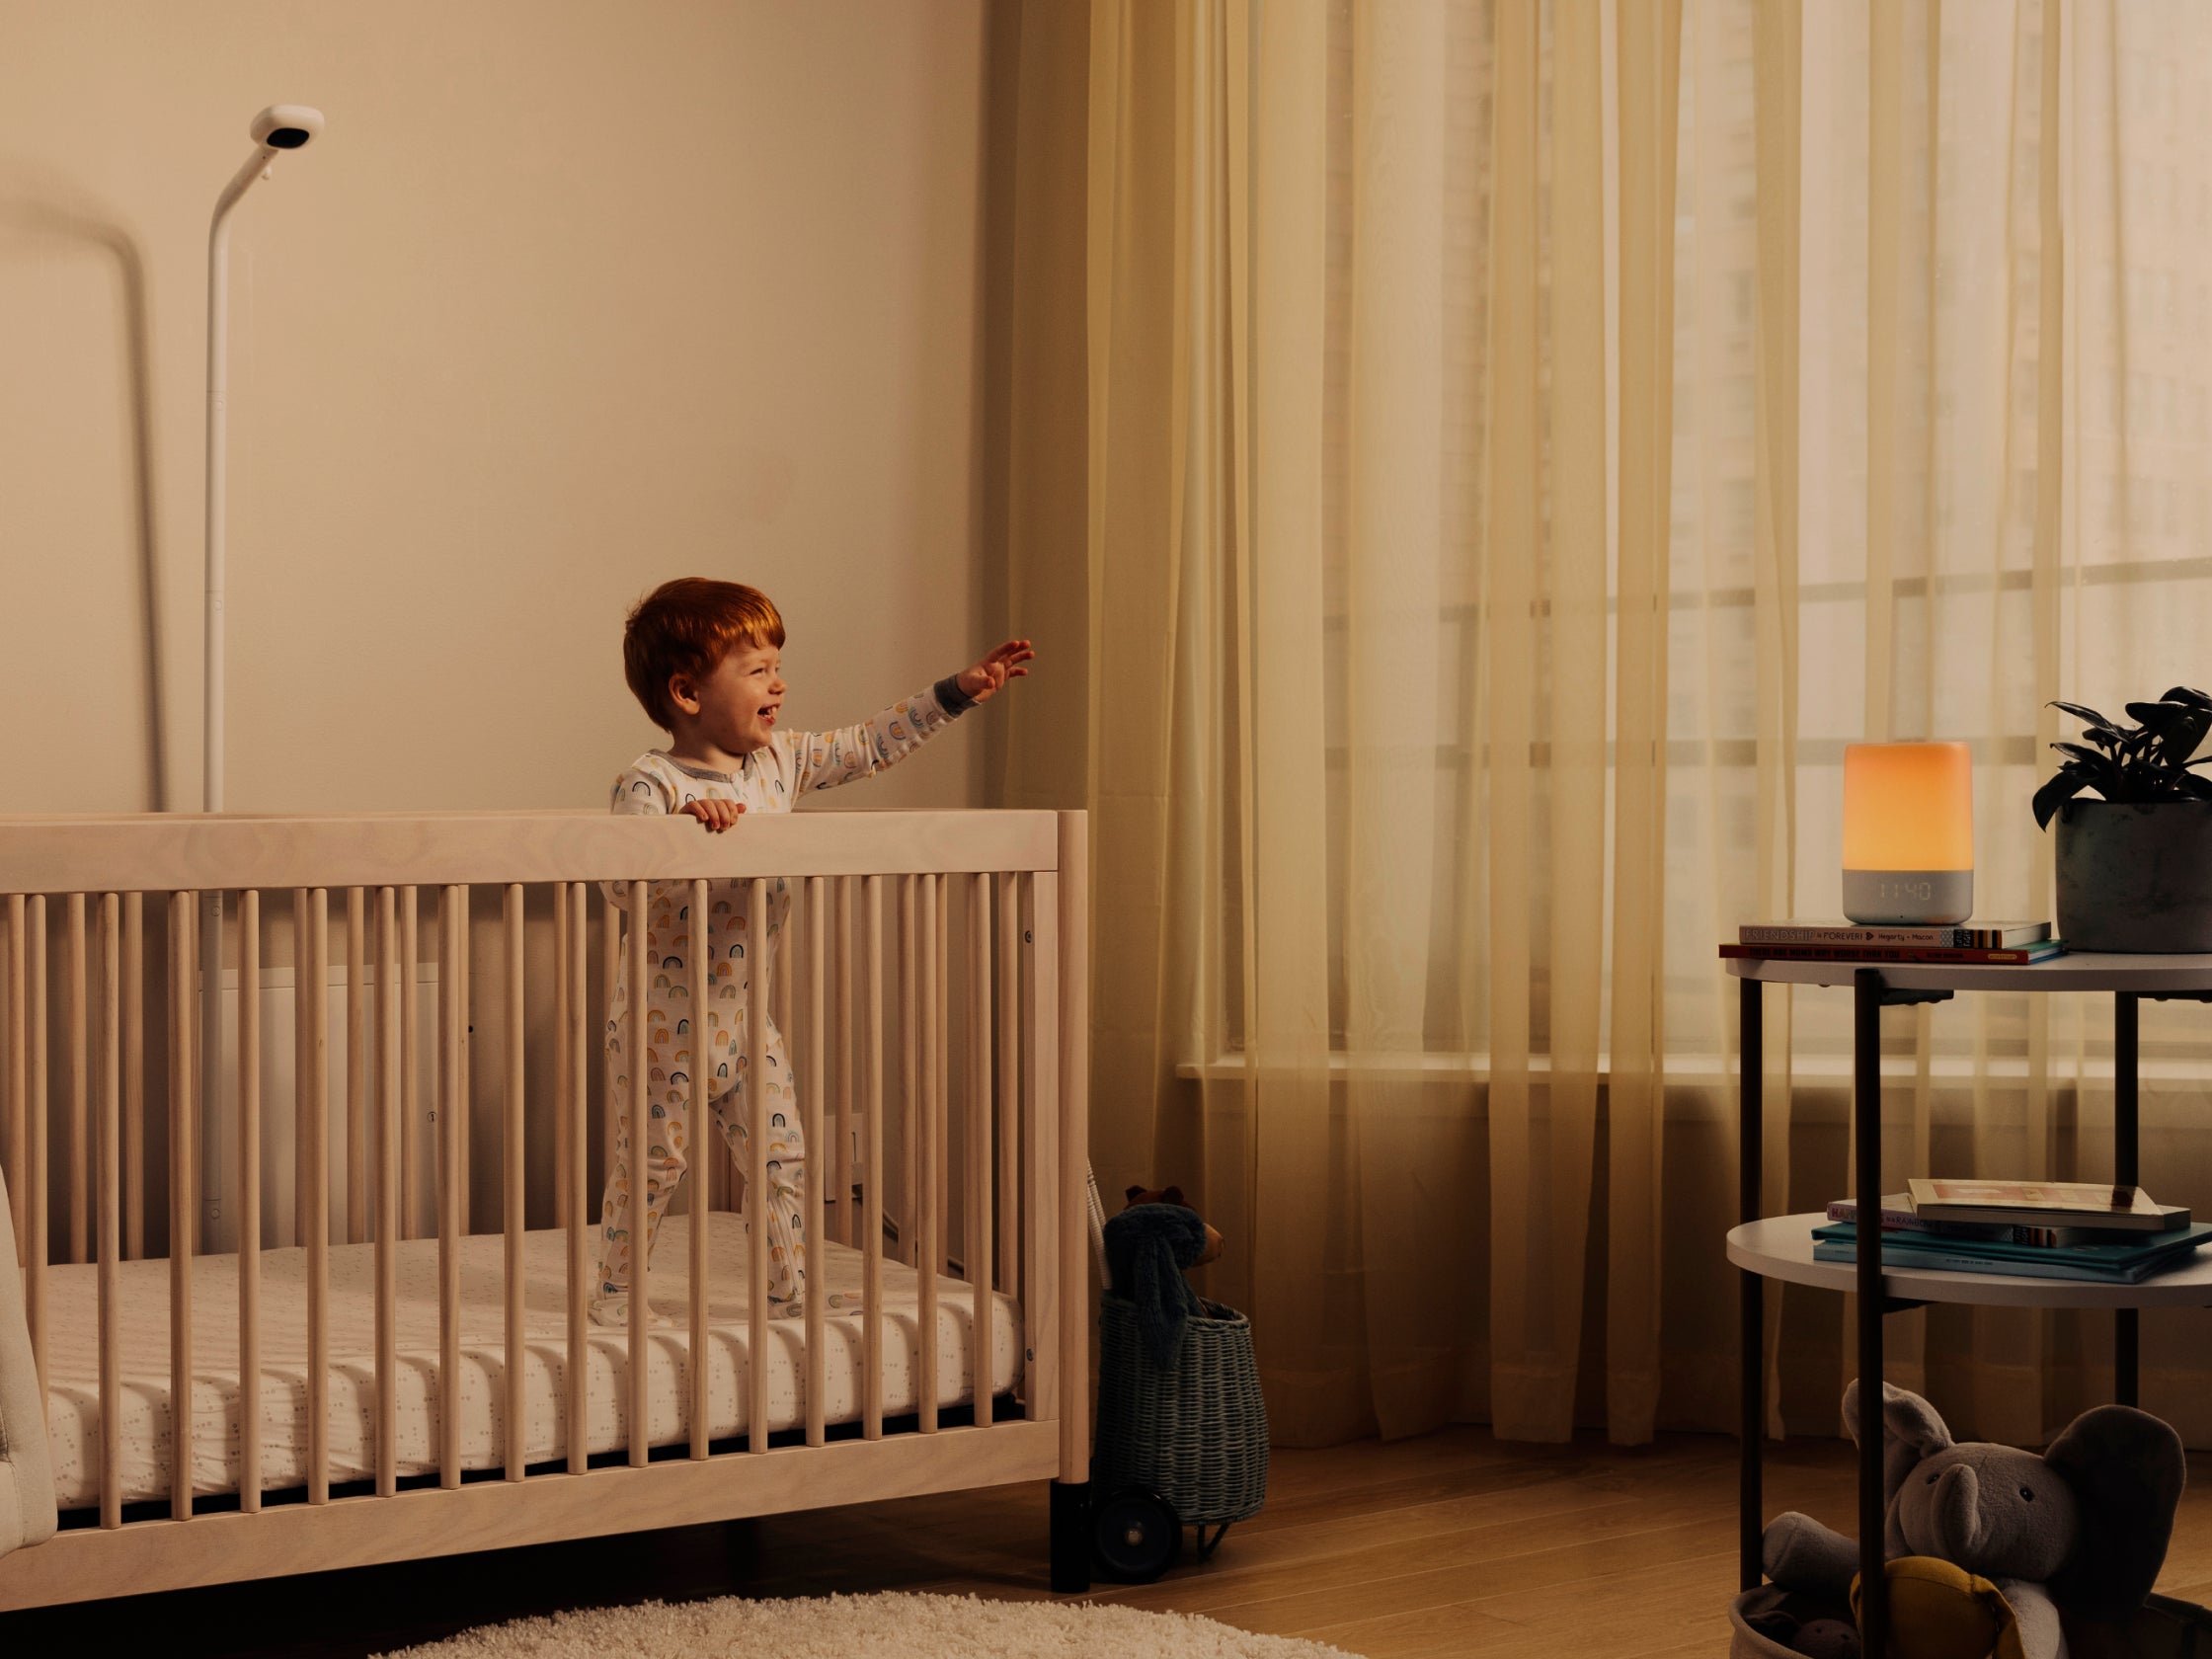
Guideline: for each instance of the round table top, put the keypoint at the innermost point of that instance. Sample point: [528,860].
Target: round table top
[2149,976]
[1781,1247]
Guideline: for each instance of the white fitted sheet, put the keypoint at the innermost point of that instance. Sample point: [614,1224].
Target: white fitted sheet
[73,1359]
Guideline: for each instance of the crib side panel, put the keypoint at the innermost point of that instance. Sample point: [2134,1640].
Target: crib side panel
[952,1004]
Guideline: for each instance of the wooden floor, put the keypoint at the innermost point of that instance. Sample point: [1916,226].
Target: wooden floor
[1454,1543]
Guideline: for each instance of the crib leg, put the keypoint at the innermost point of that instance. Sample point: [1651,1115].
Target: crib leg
[741,1548]
[1070,1538]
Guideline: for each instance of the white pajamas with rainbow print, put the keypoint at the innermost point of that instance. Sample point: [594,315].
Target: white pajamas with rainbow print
[770,779]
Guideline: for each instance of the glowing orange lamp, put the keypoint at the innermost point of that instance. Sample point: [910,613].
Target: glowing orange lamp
[1908,833]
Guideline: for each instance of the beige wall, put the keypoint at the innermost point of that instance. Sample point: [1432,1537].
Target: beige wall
[569,299]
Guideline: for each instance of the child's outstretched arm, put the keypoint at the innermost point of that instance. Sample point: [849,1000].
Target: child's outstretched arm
[825,759]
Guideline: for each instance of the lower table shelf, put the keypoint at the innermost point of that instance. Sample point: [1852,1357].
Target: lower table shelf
[1781,1247]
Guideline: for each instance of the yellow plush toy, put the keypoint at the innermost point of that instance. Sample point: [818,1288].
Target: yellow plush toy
[1937,1611]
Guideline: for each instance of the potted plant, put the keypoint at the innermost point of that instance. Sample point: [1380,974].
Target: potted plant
[2135,868]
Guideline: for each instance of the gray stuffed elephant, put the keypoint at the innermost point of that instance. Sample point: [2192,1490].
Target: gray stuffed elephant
[2082,1527]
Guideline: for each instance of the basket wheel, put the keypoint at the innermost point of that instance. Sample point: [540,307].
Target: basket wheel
[1136,1536]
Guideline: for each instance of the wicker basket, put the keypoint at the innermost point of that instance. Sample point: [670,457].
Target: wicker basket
[1195,1432]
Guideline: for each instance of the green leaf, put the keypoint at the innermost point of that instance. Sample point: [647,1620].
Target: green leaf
[2088,717]
[2181,727]
[2186,694]
[2181,741]
[2056,793]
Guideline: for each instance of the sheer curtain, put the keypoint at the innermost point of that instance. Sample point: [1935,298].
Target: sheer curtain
[1522,444]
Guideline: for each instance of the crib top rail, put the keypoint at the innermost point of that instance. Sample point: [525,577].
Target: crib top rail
[170,852]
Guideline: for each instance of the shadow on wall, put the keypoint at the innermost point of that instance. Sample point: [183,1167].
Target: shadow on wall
[39,212]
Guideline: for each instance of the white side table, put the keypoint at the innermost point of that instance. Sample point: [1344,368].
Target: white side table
[1781,1247]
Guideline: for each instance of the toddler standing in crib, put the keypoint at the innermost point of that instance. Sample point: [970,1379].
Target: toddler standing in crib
[703,657]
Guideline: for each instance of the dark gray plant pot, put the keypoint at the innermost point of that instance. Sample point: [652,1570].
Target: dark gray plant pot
[2135,877]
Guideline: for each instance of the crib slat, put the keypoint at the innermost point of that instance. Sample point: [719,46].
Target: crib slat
[134,1075]
[611,921]
[37,1233]
[929,1248]
[182,960]
[871,1171]
[779,1000]
[19,1071]
[837,1168]
[822,1160]
[357,1065]
[405,988]
[1040,1277]
[296,1230]
[391,1043]
[316,1088]
[78,1055]
[110,1195]
[1009,1062]
[978,1149]
[636,1041]
[451,922]
[576,1390]
[249,1200]
[940,1149]
[560,1053]
[196,1104]
[757,992]
[464,993]
[511,1172]
[701,1138]
[909,1069]
[1072,1023]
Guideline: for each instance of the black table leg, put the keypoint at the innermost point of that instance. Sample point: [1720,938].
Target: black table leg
[2126,1013]
[1867,1076]
[1752,1337]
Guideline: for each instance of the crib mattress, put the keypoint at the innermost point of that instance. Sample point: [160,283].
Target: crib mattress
[73,1359]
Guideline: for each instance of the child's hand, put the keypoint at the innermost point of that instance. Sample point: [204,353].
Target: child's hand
[717,815]
[994,671]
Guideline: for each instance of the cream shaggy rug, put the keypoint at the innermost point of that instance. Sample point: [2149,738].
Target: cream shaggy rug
[886,1626]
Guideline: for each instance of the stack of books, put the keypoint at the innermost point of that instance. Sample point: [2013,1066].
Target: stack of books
[2010,942]
[2037,1229]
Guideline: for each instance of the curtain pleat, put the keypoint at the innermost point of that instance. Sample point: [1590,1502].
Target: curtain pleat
[1777,36]
[1650,66]
[1393,567]
[1524,1343]
[1304,1304]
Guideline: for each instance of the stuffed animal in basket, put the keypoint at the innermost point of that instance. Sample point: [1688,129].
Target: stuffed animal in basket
[2082,1527]
[1149,1245]
[1174,1195]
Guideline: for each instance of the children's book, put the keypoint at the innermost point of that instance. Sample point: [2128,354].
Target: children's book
[2045,1204]
[2018,957]
[1978,935]
[1948,1256]
[2147,1247]
[1899,1216]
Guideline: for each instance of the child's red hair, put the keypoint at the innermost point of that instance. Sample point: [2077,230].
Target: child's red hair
[687,626]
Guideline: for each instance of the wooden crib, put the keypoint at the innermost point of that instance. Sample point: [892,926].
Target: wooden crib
[442,1181]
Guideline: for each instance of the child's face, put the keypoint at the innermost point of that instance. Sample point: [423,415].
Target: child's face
[735,707]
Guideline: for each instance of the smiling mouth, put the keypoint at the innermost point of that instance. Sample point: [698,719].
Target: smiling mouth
[768,714]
